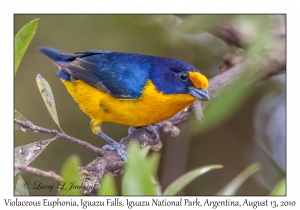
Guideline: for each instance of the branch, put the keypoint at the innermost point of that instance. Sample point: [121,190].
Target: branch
[38,172]
[30,126]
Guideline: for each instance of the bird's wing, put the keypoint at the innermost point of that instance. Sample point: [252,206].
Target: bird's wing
[114,73]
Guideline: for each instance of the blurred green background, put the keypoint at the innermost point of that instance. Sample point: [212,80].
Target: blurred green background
[254,132]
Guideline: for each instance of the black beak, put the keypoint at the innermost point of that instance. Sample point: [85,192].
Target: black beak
[201,94]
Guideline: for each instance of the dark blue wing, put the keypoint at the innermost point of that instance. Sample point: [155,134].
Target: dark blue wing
[122,75]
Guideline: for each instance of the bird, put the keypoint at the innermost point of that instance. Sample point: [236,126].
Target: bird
[127,88]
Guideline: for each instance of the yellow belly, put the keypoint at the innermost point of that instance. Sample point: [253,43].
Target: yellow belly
[152,107]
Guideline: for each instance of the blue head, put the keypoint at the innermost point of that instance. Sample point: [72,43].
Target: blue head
[176,77]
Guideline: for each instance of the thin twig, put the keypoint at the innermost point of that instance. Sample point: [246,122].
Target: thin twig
[28,125]
[38,172]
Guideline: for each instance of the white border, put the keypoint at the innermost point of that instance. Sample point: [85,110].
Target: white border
[8,8]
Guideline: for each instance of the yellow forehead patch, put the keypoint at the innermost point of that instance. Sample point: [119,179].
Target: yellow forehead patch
[199,80]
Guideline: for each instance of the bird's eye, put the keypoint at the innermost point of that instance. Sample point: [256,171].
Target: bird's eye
[183,76]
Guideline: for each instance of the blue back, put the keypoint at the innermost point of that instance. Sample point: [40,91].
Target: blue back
[122,75]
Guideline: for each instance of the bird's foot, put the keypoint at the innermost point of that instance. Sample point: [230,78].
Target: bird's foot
[113,145]
[120,150]
[152,130]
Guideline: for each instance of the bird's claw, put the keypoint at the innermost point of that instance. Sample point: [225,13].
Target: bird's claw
[122,153]
[131,129]
[113,145]
[120,150]
[152,130]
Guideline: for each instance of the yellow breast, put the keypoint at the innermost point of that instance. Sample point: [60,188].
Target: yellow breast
[152,107]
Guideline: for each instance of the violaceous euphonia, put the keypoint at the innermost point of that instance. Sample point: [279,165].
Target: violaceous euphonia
[127,88]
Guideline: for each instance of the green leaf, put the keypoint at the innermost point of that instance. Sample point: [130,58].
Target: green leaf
[280,188]
[21,186]
[108,186]
[153,161]
[22,41]
[70,175]
[48,97]
[233,186]
[25,154]
[18,116]
[187,178]
[137,174]
[145,151]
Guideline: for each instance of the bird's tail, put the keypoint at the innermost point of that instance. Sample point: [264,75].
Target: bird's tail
[57,55]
